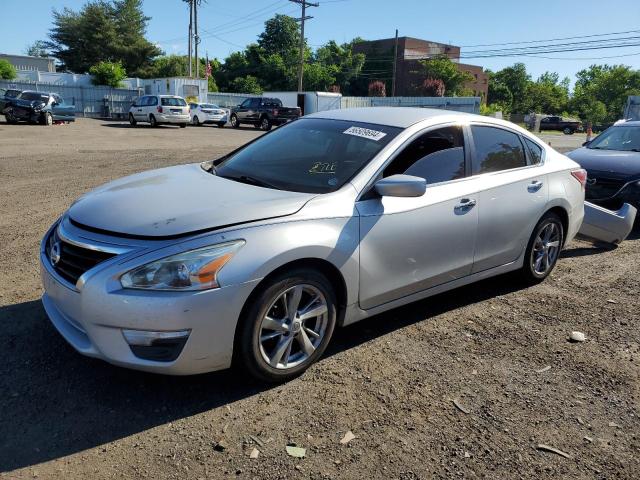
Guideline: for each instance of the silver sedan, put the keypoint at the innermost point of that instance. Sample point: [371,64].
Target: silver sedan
[255,258]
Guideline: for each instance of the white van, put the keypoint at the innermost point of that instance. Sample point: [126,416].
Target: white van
[159,109]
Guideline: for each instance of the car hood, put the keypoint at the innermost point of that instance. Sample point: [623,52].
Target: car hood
[177,201]
[623,164]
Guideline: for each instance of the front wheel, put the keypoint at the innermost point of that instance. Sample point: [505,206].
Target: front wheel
[183,125]
[132,120]
[196,121]
[568,131]
[221,125]
[8,116]
[47,119]
[234,121]
[543,249]
[287,326]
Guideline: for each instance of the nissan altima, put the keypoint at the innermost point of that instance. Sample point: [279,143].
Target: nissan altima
[255,258]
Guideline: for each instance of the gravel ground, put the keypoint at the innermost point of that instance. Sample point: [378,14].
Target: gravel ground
[393,380]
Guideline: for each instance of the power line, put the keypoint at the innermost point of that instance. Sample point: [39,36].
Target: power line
[549,40]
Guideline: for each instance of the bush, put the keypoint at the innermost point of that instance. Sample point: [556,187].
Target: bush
[377,89]
[7,71]
[108,73]
[432,87]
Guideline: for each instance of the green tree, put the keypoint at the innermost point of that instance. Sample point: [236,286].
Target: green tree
[442,68]
[247,84]
[281,36]
[7,71]
[605,86]
[341,63]
[108,73]
[548,94]
[103,30]
[37,49]
[516,79]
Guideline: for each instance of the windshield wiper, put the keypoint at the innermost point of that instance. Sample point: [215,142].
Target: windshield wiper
[252,181]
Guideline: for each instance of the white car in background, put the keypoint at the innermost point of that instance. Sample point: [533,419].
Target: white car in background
[159,109]
[207,113]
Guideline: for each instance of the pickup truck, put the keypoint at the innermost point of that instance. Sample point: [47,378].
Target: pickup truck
[262,113]
[568,127]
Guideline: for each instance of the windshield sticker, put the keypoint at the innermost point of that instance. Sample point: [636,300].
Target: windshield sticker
[323,167]
[365,133]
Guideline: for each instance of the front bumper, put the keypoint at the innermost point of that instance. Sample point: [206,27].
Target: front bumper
[628,193]
[92,319]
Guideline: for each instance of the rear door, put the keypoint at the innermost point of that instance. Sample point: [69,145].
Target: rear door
[513,197]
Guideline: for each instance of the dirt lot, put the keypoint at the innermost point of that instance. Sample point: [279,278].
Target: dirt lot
[391,380]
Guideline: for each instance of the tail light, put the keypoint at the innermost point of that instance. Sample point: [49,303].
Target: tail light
[159,109]
[581,176]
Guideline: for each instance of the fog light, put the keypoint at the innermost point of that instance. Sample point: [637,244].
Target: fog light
[157,346]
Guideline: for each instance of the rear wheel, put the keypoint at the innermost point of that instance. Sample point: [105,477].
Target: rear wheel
[265,124]
[543,249]
[8,116]
[287,326]
[234,121]
[153,121]
[183,125]
[132,120]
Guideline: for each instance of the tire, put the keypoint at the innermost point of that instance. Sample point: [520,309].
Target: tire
[183,125]
[132,120]
[235,123]
[535,268]
[8,116]
[196,121]
[266,356]
[47,119]
[568,131]
[265,124]
[152,121]
[221,125]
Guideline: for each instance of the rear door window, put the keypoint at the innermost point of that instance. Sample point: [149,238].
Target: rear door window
[173,102]
[496,149]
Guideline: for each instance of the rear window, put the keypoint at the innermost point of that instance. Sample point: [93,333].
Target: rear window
[173,102]
[12,93]
[271,102]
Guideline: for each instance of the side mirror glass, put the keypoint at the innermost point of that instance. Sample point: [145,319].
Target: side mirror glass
[401,186]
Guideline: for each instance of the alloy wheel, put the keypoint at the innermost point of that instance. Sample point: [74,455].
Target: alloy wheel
[265,124]
[546,248]
[293,327]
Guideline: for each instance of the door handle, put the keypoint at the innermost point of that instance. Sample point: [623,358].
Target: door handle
[466,203]
[534,186]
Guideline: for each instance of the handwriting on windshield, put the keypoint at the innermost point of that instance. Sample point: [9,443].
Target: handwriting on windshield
[323,167]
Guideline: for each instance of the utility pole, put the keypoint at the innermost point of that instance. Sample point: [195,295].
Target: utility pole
[302,19]
[190,34]
[196,38]
[395,61]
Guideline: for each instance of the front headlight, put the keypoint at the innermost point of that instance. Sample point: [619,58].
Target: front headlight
[192,270]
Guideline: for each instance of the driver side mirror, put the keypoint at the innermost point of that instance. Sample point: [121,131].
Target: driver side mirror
[401,186]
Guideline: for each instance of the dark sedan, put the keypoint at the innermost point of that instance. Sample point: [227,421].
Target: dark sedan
[39,107]
[612,162]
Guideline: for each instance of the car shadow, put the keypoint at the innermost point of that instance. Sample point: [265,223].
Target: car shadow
[125,124]
[56,402]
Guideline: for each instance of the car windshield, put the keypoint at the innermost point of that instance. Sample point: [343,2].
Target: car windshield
[173,102]
[623,138]
[31,96]
[307,155]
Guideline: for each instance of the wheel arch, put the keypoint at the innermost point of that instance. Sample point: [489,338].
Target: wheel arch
[564,217]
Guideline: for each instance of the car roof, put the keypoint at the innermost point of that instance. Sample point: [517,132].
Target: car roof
[402,117]
[628,123]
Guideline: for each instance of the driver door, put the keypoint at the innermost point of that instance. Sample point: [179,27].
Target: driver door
[408,245]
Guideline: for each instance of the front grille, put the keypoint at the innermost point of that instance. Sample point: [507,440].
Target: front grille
[73,260]
[603,188]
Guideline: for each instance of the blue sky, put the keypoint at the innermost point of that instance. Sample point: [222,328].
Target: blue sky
[462,23]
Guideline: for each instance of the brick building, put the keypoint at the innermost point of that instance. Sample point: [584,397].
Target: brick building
[410,52]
